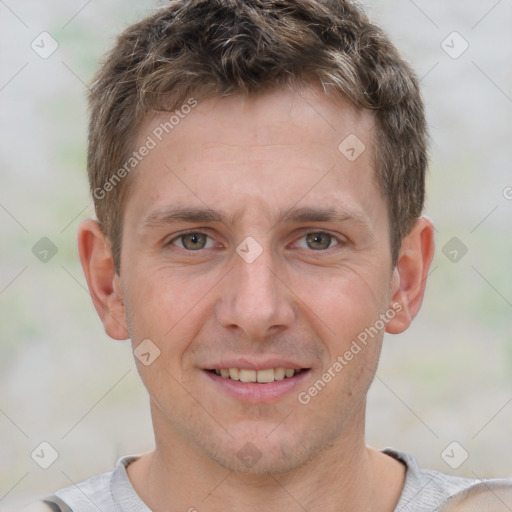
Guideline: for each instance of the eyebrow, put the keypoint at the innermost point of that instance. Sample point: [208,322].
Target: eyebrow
[175,214]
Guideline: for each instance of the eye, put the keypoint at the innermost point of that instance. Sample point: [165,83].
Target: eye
[193,241]
[319,241]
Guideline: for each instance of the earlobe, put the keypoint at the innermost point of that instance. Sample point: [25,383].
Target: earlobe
[410,274]
[103,283]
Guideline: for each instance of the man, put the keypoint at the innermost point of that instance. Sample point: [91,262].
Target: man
[258,172]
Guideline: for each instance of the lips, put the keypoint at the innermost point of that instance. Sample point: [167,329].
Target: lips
[263,376]
[257,383]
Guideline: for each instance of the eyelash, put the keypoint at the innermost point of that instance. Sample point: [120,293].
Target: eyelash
[199,232]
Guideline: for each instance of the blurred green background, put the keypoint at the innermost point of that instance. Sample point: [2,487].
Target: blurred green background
[62,380]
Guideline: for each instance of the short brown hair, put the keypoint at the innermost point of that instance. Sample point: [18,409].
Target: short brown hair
[207,48]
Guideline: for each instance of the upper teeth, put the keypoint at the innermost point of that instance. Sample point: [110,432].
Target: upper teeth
[268,375]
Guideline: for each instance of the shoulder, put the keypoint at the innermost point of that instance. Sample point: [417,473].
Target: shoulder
[50,504]
[92,494]
[425,490]
[495,495]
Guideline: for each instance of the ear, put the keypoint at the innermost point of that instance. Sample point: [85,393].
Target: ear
[102,280]
[410,274]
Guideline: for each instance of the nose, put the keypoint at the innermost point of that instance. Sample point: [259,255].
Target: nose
[255,299]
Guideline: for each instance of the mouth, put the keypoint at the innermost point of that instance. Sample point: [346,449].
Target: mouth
[265,376]
[257,381]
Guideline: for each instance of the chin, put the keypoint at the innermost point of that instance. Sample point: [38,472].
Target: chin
[251,460]
[259,453]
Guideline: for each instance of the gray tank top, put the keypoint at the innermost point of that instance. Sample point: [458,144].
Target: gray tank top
[424,490]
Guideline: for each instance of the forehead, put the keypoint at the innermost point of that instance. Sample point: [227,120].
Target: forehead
[258,119]
[271,149]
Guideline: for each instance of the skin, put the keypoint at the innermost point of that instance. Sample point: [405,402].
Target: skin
[305,301]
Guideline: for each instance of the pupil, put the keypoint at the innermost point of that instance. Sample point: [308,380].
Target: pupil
[316,238]
[193,240]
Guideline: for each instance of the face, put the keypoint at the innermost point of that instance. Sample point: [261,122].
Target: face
[255,249]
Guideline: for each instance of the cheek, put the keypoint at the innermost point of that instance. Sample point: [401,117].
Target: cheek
[163,300]
[168,307]
[343,302]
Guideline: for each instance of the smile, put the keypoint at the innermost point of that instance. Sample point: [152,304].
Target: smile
[261,376]
[265,385]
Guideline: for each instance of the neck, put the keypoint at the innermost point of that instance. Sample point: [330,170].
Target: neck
[346,476]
